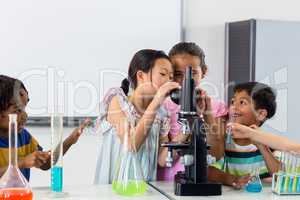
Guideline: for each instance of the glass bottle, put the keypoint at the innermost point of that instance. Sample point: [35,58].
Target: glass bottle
[128,179]
[13,185]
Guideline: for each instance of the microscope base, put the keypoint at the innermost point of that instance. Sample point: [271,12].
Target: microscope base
[197,189]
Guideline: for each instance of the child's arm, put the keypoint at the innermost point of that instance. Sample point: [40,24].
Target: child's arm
[74,136]
[35,159]
[216,137]
[255,134]
[215,127]
[120,121]
[272,163]
[217,175]
[68,142]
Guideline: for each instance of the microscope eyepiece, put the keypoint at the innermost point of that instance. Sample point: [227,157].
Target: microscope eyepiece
[175,96]
[186,97]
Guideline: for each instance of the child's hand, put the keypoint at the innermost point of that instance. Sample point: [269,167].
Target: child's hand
[240,131]
[240,182]
[204,103]
[35,159]
[164,90]
[73,138]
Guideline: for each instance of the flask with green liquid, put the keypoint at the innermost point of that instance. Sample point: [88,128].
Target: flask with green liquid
[128,178]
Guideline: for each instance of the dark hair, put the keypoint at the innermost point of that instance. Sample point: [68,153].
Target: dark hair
[264,96]
[9,89]
[190,48]
[143,60]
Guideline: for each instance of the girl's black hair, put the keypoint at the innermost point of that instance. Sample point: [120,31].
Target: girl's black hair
[9,90]
[190,48]
[143,60]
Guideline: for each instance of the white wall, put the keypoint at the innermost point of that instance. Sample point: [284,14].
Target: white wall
[205,25]
[56,46]
[79,162]
[73,51]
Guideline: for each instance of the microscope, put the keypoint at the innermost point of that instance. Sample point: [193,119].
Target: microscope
[193,153]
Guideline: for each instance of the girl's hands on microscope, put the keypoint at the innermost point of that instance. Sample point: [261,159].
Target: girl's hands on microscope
[164,91]
[204,109]
[203,102]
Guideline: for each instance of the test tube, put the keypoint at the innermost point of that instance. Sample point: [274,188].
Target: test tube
[279,176]
[287,174]
[295,179]
[298,174]
[292,183]
[56,152]
[228,131]
[284,166]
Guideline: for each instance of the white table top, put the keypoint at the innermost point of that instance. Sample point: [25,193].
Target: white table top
[228,193]
[93,192]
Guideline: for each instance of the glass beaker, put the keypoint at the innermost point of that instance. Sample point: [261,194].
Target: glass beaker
[128,179]
[255,184]
[56,152]
[13,185]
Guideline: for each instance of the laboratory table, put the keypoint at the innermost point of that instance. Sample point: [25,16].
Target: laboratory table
[228,193]
[92,192]
[156,191]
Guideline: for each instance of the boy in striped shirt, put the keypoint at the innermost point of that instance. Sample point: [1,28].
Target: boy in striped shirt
[252,104]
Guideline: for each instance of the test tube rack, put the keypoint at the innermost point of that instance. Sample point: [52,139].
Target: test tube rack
[287,180]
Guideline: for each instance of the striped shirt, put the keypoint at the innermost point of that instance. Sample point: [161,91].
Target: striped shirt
[242,160]
[26,145]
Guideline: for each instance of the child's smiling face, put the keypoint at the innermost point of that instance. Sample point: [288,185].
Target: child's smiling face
[242,109]
[17,106]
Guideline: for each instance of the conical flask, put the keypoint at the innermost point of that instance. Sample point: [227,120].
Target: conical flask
[254,184]
[128,177]
[13,185]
